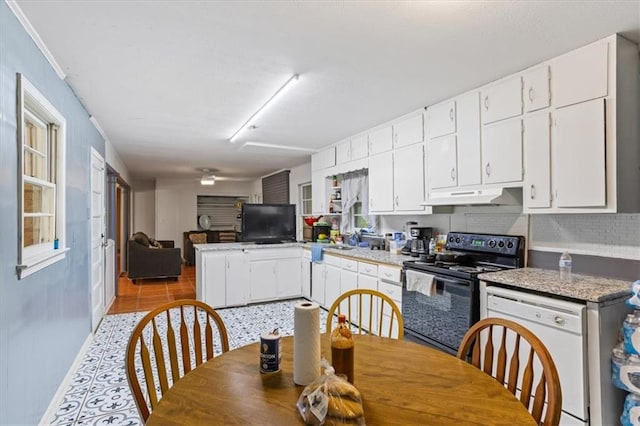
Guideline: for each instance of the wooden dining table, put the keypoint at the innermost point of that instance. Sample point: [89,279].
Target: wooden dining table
[400,382]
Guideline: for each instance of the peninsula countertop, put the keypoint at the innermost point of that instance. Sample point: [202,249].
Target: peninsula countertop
[357,253]
[585,288]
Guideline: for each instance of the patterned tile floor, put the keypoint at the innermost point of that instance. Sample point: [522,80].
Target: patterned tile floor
[99,393]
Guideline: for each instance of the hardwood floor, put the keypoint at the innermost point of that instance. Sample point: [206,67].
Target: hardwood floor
[148,294]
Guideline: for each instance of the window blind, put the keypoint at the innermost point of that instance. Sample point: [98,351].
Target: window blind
[223,212]
[275,188]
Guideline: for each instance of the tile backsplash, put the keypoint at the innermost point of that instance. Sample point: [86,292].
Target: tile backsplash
[607,235]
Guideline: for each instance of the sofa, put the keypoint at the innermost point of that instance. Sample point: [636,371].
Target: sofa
[148,258]
[204,237]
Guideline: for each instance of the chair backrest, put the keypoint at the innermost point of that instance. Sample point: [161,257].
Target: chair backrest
[368,311]
[188,332]
[521,363]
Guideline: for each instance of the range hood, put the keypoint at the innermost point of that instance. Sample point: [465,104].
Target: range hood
[496,196]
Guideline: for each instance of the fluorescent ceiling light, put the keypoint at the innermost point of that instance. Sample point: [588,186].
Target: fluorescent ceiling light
[271,101]
[274,146]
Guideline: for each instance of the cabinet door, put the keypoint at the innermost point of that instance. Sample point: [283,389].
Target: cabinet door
[580,75]
[306,278]
[319,193]
[537,161]
[536,89]
[343,152]
[214,277]
[318,283]
[502,100]
[263,282]
[238,277]
[289,279]
[441,119]
[331,284]
[468,141]
[323,159]
[359,147]
[502,151]
[371,283]
[408,178]
[381,182]
[408,131]
[442,162]
[579,141]
[381,140]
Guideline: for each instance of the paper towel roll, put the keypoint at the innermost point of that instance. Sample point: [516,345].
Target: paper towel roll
[306,343]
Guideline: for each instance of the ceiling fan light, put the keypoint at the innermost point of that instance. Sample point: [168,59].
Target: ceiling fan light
[208,180]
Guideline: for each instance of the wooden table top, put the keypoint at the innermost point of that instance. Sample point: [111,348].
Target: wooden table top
[401,383]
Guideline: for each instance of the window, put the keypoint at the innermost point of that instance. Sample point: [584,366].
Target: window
[41,148]
[305,199]
[359,221]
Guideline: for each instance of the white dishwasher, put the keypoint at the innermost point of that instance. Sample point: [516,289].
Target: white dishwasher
[561,326]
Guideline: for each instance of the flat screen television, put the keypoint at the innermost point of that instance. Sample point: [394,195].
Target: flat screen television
[268,223]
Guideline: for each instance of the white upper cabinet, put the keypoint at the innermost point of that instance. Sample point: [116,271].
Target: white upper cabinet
[319,192]
[468,141]
[441,119]
[536,89]
[381,183]
[502,152]
[408,131]
[579,135]
[536,192]
[381,140]
[408,178]
[359,147]
[442,157]
[343,152]
[324,159]
[580,75]
[502,100]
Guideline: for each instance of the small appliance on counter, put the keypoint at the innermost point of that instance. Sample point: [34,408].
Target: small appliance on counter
[321,231]
[417,241]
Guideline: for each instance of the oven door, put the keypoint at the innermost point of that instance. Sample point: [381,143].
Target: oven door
[442,319]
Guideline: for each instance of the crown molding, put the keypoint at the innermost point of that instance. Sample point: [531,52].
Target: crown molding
[95,123]
[22,18]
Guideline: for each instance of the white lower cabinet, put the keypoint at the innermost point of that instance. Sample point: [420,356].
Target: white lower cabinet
[237,277]
[390,283]
[331,284]
[224,279]
[317,283]
[305,267]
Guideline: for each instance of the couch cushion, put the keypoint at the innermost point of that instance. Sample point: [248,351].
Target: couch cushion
[141,238]
[198,238]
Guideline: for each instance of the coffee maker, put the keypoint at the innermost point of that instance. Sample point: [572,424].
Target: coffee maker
[418,241]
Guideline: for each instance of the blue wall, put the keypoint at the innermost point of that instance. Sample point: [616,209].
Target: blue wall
[44,318]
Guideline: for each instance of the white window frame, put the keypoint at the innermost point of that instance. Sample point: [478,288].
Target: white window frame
[34,258]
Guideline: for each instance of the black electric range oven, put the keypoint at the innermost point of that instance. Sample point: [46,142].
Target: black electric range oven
[441,311]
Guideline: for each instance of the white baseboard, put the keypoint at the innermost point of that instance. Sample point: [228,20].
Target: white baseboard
[49,414]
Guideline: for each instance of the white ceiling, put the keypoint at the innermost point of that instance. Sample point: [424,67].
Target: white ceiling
[170,81]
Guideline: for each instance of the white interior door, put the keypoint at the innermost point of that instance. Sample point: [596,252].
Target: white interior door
[98,300]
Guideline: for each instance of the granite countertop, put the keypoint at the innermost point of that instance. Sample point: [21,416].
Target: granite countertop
[581,287]
[357,253]
[242,246]
[366,254]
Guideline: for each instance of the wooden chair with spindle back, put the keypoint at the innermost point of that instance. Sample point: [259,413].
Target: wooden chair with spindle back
[509,372]
[188,331]
[370,311]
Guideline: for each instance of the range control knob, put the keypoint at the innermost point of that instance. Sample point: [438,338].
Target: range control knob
[450,239]
[510,244]
[492,243]
[457,240]
[501,244]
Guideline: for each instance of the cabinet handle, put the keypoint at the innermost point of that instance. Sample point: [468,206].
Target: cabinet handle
[396,200]
[453,174]
[530,94]
[533,192]
[451,114]
[559,320]
[486,103]
[487,169]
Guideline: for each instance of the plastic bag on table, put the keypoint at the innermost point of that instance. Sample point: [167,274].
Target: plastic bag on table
[331,400]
